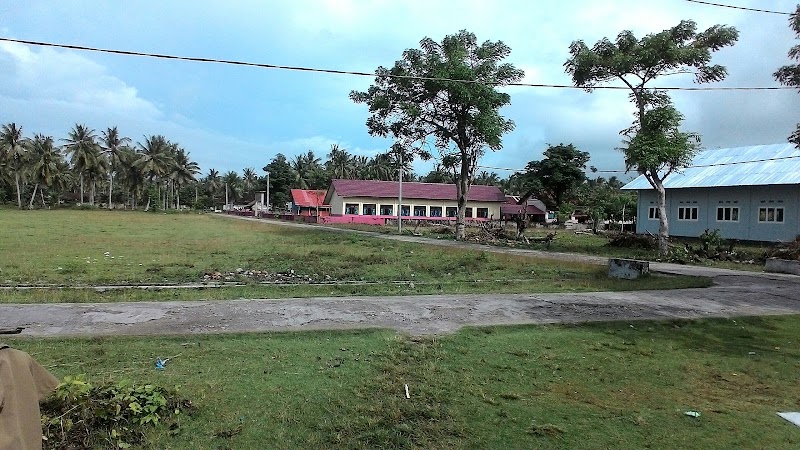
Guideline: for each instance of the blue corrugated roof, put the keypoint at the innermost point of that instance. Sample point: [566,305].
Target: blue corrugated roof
[756,165]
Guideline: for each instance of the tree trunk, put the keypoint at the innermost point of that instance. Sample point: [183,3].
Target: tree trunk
[110,188]
[19,195]
[663,221]
[178,198]
[462,189]
[33,196]
[41,196]
[81,188]
[91,192]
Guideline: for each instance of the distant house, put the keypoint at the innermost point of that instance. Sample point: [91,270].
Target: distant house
[307,202]
[420,200]
[748,193]
[534,208]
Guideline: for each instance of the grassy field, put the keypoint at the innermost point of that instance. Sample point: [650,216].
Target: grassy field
[73,247]
[606,385]
[586,243]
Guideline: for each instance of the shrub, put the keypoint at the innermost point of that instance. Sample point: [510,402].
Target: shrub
[79,415]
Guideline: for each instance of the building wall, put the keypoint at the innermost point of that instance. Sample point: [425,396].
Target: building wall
[748,200]
[338,205]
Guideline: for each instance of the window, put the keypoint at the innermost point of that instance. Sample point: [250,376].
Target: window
[727,214]
[369,209]
[420,211]
[387,210]
[653,213]
[687,213]
[771,214]
[467,212]
[405,210]
[482,212]
[436,211]
[452,211]
[351,208]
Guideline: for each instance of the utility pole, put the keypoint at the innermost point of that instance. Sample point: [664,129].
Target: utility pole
[266,200]
[400,194]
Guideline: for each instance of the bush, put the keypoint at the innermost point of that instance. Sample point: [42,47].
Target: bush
[79,415]
[711,240]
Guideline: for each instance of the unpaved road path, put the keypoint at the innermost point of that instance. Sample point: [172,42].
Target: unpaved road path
[734,293]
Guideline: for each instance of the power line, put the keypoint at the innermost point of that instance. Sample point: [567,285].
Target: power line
[739,7]
[367,74]
[687,167]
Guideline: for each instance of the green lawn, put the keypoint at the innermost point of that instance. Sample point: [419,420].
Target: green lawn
[75,247]
[586,243]
[606,385]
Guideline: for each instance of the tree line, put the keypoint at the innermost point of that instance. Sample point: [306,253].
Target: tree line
[91,168]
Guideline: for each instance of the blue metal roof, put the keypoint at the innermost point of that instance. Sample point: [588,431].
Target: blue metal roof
[740,166]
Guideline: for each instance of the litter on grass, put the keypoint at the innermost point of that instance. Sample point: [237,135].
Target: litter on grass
[793,417]
[692,413]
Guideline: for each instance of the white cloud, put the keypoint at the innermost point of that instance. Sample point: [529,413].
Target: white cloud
[64,76]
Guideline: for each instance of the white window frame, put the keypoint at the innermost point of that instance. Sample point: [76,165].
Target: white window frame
[730,213]
[775,210]
[652,213]
[688,210]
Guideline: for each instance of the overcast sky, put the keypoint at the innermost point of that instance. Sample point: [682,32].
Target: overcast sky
[232,117]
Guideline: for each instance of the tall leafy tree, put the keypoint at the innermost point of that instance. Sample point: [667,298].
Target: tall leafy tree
[81,144]
[13,149]
[655,147]
[445,92]
[789,75]
[560,171]
[281,179]
[112,144]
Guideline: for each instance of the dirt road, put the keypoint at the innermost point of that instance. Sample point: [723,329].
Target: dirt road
[430,314]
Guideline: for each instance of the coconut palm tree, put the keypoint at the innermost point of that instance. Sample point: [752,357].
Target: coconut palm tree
[130,175]
[183,172]
[154,160]
[46,163]
[112,144]
[213,183]
[340,164]
[486,178]
[249,181]
[305,167]
[81,145]
[13,147]
[233,186]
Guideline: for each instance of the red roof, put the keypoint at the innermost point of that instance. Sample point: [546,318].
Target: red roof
[507,208]
[413,190]
[308,198]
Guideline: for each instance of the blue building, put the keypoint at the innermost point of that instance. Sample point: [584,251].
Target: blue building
[748,193]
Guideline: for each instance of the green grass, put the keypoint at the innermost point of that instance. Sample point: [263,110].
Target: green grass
[589,244]
[602,385]
[72,247]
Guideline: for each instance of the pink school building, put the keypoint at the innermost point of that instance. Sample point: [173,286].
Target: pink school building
[370,201]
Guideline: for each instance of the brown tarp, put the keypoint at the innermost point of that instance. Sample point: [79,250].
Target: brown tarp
[23,384]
